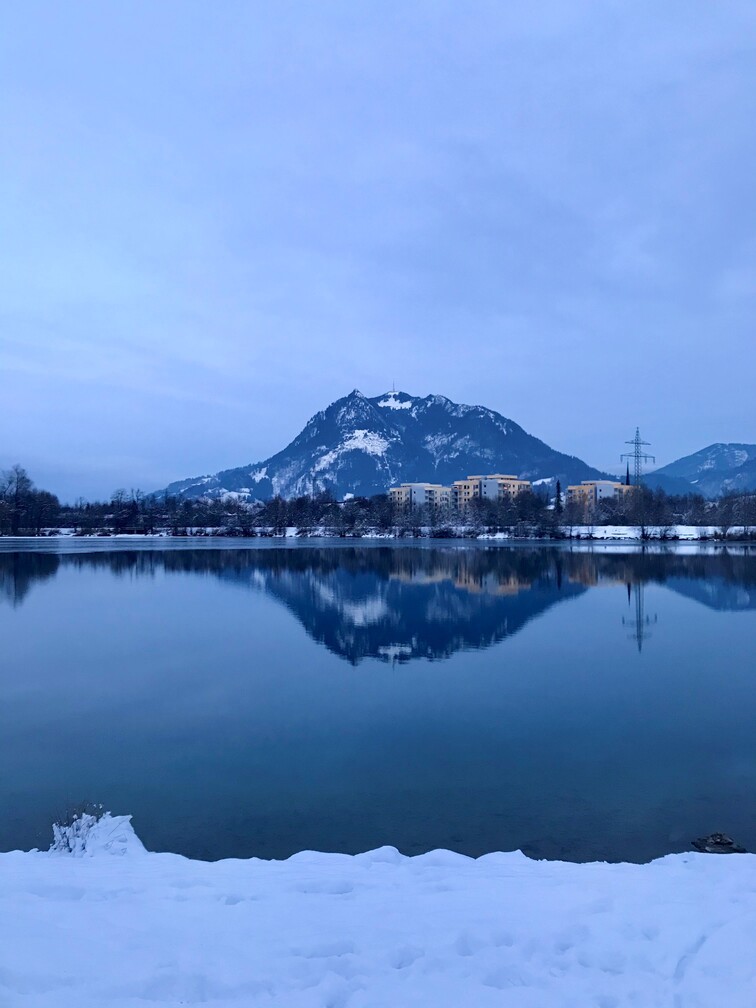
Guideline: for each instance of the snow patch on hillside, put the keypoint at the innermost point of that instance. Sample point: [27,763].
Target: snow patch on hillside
[391,402]
[359,440]
[437,444]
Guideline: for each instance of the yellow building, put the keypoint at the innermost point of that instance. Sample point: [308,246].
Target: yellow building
[588,493]
[493,487]
[463,491]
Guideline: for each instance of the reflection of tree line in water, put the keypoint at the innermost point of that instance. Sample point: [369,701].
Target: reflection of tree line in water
[19,571]
[481,570]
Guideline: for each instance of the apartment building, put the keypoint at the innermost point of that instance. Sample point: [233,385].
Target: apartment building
[418,494]
[493,487]
[588,493]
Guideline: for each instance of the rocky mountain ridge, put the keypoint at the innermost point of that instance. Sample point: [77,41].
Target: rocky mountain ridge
[719,468]
[362,446]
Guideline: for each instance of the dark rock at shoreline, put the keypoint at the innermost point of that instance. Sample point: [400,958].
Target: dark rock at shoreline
[718,843]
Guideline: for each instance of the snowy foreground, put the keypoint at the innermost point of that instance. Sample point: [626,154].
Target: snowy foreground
[117,926]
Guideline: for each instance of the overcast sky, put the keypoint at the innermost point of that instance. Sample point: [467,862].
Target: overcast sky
[219,217]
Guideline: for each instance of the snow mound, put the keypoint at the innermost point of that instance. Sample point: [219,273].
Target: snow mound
[379,929]
[88,835]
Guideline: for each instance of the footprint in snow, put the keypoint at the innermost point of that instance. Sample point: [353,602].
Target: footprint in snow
[325,950]
[405,956]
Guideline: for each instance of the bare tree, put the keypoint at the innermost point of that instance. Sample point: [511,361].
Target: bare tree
[16,489]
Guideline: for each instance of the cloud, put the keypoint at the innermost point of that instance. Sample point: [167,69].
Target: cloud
[218,219]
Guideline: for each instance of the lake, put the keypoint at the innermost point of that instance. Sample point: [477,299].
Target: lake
[260,698]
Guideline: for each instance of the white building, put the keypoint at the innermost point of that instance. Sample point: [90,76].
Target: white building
[419,494]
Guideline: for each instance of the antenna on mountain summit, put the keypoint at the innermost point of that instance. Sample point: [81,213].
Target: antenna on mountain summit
[393,387]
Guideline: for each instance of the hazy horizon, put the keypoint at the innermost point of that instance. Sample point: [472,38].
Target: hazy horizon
[219,220]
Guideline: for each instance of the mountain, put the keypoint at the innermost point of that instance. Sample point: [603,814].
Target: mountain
[363,446]
[714,470]
[673,485]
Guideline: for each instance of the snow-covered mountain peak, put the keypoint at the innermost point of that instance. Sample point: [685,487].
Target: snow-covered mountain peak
[362,446]
[351,411]
[713,470]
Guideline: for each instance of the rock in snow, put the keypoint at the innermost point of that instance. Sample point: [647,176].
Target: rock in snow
[439,930]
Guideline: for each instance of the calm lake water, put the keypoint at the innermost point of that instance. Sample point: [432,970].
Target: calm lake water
[262,700]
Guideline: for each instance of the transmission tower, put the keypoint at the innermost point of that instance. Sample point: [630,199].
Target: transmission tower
[638,456]
[641,622]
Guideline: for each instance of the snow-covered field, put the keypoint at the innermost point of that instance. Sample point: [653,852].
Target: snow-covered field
[122,927]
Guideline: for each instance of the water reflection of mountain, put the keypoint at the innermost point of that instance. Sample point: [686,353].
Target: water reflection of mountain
[722,581]
[402,602]
[397,604]
[716,593]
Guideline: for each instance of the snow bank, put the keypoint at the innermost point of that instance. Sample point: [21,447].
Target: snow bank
[87,835]
[332,931]
[683,532]
[666,533]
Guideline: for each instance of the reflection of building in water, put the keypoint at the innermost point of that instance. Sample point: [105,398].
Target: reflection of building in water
[400,603]
[592,577]
[468,578]
[640,621]
[491,583]
[587,571]
[593,572]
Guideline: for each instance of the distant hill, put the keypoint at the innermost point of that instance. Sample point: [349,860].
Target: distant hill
[711,471]
[363,446]
[669,484]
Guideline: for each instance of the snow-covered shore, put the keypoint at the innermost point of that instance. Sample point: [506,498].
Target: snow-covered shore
[121,927]
[668,534]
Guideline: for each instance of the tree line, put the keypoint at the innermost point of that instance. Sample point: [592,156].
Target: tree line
[26,510]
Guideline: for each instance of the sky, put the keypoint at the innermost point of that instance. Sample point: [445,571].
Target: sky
[218,218]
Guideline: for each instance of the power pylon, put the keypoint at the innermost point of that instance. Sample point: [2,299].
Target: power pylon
[640,622]
[638,456]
